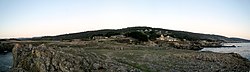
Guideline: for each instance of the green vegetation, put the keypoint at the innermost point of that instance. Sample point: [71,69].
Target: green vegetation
[184,35]
[143,36]
[151,35]
[109,34]
[96,35]
[137,35]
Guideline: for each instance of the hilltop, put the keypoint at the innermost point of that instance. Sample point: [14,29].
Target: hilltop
[142,36]
[181,35]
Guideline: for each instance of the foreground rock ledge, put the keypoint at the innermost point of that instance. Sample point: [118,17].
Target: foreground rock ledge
[49,58]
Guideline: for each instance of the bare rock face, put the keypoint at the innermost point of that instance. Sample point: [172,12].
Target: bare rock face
[108,57]
[6,46]
[28,58]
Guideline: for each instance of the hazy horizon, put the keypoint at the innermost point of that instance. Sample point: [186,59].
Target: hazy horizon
[34,18]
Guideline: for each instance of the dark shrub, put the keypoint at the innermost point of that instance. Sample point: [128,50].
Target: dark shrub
[109,34]
[137,35]
[153,35]
[96,35]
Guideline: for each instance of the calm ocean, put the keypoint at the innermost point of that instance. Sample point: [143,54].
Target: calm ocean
[243,49]
[5,61]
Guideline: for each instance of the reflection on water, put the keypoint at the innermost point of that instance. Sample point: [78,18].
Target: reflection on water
[5,61]
[243,49]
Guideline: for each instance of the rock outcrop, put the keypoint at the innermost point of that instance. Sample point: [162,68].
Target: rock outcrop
[28,58]
[94,56]
[6,46]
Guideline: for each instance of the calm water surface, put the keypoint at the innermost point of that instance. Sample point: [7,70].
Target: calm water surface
[6,60]
[243,50]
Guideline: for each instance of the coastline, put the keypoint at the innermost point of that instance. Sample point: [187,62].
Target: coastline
[5,62]
[105,56]
[240,48]
[26,54]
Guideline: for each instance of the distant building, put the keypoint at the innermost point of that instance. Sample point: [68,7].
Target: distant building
[167,38]
[150,30]
[161,38]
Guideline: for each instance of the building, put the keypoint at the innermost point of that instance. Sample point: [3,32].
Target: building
[167,38]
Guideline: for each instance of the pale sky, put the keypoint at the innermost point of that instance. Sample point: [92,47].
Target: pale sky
[31,18]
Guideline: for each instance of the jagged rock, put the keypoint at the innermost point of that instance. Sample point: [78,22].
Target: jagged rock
[6,46]
[46,59]
[104,57]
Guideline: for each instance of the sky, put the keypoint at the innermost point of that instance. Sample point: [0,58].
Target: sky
[34,18]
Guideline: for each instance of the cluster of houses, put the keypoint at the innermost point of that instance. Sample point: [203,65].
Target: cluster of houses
[158,31]
[162,37]
[167,38]
[163,34]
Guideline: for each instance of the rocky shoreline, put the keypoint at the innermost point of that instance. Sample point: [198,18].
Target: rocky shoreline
[6,47]
[110,56]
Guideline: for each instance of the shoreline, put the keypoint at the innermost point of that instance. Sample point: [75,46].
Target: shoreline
[122,57]
[127,56]
[223,45]
[239,49]
[6,62]
[233,46]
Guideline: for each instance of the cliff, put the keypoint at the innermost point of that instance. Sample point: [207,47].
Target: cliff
[6,46]
[47,59]
[96,56]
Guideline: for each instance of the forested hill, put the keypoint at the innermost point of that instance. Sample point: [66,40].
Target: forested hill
[182,35]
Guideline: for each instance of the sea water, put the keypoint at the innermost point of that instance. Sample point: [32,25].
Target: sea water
[241,48]
[6,60]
